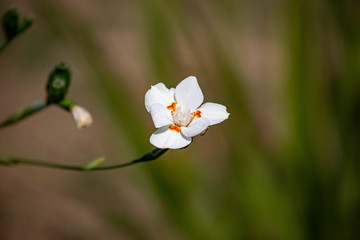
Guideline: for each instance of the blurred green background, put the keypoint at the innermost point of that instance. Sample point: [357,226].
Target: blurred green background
[285,165]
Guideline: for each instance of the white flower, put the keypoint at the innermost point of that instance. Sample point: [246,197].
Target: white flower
[81,116]
[178,115]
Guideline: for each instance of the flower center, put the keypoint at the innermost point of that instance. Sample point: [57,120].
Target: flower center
[182,116]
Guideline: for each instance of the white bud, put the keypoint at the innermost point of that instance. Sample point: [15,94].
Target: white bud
[82,116]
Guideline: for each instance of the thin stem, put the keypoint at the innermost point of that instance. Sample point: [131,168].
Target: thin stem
[25,112]
[154,154]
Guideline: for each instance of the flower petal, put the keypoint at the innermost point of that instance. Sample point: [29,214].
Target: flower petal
[188,93]
[161,116]
[216,113]
[196,127]
[82,116]
[159,94]
[166,138]
[172,91]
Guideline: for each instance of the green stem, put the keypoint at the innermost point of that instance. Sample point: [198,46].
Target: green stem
[25,112]
[154,154]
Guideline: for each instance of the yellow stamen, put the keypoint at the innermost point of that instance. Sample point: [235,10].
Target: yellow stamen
[197,114]
[174,128]
[172,107]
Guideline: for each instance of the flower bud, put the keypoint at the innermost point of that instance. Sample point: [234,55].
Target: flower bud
[82,116]
[58,83]
[11,24]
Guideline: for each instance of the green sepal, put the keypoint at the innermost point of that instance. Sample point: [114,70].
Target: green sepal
[154,154]
[24,24]
[58,83]
[66,104]
[94,163]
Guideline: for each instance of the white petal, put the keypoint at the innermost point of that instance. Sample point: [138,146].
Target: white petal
[172,91]
[196,127]
[216,113]
[165,138]
[161,116]
[159,94]
[188,93]
[82,116]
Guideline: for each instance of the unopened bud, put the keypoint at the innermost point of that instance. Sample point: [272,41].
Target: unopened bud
[12,25]
[82,117]
[58,83]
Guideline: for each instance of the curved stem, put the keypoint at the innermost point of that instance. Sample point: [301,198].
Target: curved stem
[154,154]
[25,112]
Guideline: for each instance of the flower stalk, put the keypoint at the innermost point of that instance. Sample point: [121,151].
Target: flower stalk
[91,166]
[25,112]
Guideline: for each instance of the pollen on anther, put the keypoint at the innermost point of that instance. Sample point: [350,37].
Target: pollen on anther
[172,107]
[174,128]
[197,113]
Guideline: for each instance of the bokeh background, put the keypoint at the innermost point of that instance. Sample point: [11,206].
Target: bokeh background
[285,165]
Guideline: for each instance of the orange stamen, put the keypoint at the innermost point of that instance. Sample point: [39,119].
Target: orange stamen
[197,114]
[174,128]
[172,107]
